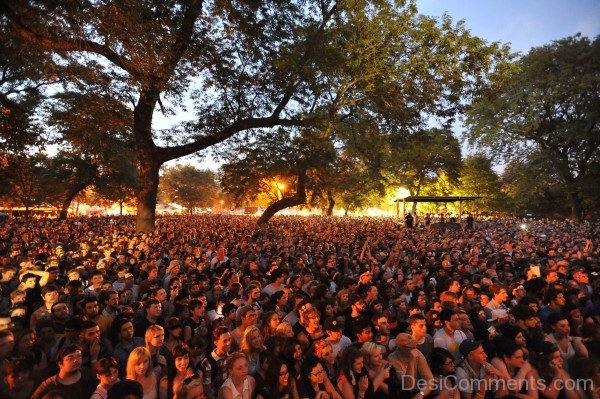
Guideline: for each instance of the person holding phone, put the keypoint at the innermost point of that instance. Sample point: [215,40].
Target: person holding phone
[551,373]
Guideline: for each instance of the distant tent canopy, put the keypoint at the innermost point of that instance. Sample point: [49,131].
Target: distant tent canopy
[419,198]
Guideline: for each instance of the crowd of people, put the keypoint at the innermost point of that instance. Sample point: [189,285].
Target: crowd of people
[302,308]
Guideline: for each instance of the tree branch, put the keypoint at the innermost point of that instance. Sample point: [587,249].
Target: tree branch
[79,45]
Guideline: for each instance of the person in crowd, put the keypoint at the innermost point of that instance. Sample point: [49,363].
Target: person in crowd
[247,317]
[551,373]
[239,385]
[139,368]
[160,355]
[179,373]
[25,347]
[126,389]
[323,350]
[278,383]
[568,345]
[383,375]
[174,333]
[252,346]
[71,382]
[474,376]
[443,367]
[353,382]
[18,381]
[408,361]
[193,390]
[450,336]
[515,369]
[214,366]
[271,321]
[107,373]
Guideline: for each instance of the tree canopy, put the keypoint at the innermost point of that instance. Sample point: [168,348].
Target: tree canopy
[249,65]
[546,106]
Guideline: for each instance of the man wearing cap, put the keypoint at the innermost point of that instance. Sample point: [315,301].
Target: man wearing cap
[409,362]
[333,332]
[475,376]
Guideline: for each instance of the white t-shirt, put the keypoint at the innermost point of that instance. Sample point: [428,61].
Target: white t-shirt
[442,340]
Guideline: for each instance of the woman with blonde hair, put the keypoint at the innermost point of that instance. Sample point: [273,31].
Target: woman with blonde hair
[159,354]
[379,371]
[285,330]
[252,345]
[139,368]
[239,385]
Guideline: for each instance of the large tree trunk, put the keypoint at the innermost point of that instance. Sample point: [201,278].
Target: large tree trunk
[146,204]
[330,203]
[148,160]
[297,199]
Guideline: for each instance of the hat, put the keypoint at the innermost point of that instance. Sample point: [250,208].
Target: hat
[498,314]
[545,348]
[468,346]
[522,312]
[128,275]
[332,324]
[405,340]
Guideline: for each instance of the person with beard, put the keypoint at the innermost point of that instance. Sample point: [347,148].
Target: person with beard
[527,322]
[59,316]
[355,312]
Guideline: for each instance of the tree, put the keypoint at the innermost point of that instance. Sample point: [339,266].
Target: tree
[189,187]
[249,64]
[546,105]
[421,157]
[28,182]
[477,178]
[298,162]
[97,145]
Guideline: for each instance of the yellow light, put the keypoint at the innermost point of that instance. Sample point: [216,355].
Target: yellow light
[403,193]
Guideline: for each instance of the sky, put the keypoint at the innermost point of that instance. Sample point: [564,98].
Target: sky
[522,23]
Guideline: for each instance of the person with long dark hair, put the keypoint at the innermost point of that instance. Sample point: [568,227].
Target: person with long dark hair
[278,382]
[511,362]
[179,373]
[353,382]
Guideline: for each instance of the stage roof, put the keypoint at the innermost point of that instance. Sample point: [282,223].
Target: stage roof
[419,198]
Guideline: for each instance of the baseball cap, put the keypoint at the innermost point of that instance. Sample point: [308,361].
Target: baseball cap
[128,275]
[332,324]
[468,346]
[405,340]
